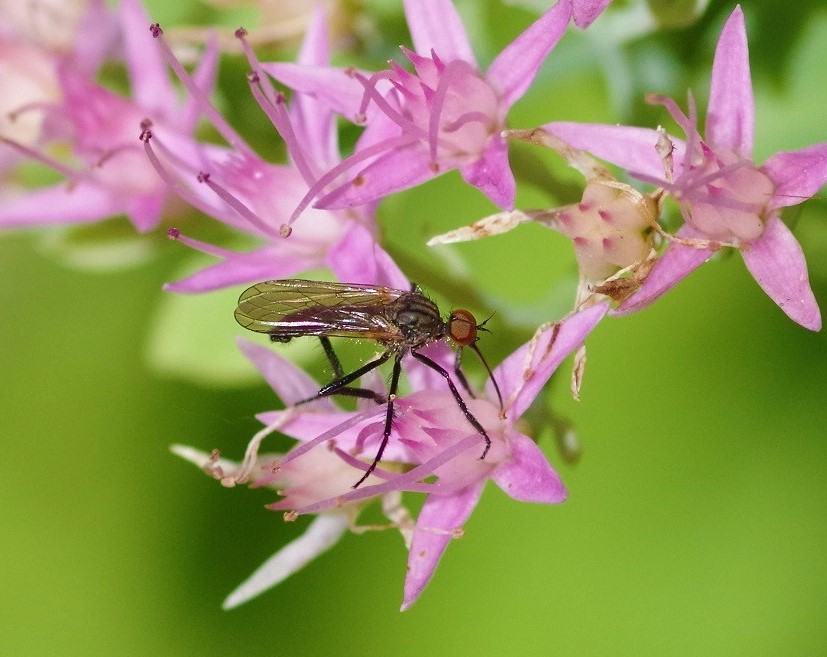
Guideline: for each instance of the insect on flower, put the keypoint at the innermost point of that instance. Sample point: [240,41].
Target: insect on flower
[401,322]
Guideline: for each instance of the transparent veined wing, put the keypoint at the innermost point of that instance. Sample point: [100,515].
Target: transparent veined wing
[295,307]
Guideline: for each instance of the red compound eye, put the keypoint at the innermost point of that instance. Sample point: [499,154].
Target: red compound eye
[462,327]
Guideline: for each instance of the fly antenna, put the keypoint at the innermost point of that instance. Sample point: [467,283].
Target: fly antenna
[477,351]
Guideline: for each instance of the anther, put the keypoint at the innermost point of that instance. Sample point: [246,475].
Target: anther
[155,30]
[240,33]
[173,233]
[203,177]
[285,231]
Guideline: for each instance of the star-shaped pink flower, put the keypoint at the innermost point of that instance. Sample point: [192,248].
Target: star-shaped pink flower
[446,114]
[725,198]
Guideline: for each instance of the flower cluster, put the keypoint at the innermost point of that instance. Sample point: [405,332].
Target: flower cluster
[140,153]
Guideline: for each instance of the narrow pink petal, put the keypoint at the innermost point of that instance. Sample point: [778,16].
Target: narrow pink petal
[100,21]
[676,262]
[527,476]
[204,77]
[401,168]
[313,120]
[435,24]
[151,86]
[777,263]
[334,87]
[630,148]
[797,174]
[523,374]
[289,382]
[358,258]
[145,211]
[321,535]
[60,204]
[492,174]
[444,514]
[585,11]
[730,117]
[515,68]
[269,262]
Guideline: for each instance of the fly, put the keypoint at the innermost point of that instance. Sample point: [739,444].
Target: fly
[402,322]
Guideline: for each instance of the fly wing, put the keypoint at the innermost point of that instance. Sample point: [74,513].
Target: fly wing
[295,307]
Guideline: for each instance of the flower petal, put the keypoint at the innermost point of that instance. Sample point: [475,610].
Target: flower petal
[492,174]
[289,382]
[585,11]
[358,258]
[676,262]
[797,174]
[265,263]
[527,476]
[59,204]
[151,86]
[523,374]
[730,117]
[313,120]
[777,263]
[515,68]
[444,514]
[320,535]
[401,168]
[334,87]
[633,149]
[436,24]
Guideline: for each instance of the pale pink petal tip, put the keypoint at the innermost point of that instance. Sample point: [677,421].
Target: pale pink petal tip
[320,536]
[777,263]
[438,518]
[584,12]
[527,476]
[730,116]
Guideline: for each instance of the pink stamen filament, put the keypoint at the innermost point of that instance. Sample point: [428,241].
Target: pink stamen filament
[236,204]
[451,73]
[374,78]
[204,247]
[436,488]
[401,482]
[176,185]
[201,100]
[345,165]
[468,117]
[280,119]
[403,122]
[71,174]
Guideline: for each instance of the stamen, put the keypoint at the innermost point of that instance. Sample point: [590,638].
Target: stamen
[451,73]
[280,119]
[374,78]
[468,117]
[147,137]
[403,122]
[406,481]
[255,64]
[236,204]
[345,165]
[201,100]
[71,174]
[204,247]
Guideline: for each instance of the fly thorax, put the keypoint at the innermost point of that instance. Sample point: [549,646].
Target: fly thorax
[418,319]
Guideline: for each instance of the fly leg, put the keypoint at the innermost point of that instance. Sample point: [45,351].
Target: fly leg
[339,385]
[460,402]
[397,369]
[339,373]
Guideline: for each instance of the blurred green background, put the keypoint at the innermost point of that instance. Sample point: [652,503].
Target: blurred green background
[697,518]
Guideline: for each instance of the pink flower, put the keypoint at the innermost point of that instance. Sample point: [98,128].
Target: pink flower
[433,433]
[445,115]
[107,173]
[725,198]
[236,187]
